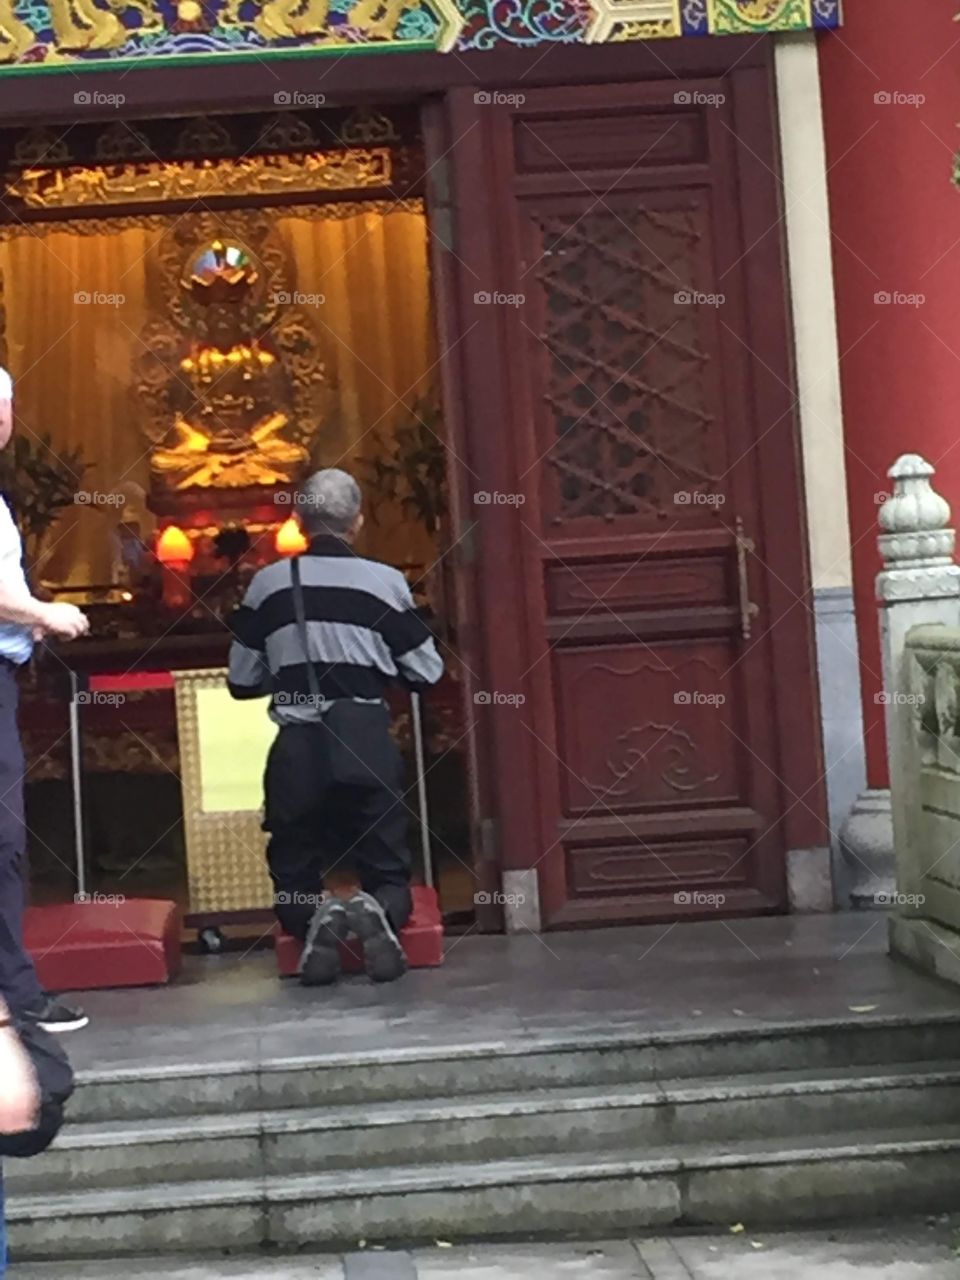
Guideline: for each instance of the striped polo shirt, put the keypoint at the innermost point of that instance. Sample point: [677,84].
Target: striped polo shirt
[362,626]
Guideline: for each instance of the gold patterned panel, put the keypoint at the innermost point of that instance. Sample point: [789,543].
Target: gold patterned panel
[75,188]
[633,20]
[339,211]
[733,17]
[226,861]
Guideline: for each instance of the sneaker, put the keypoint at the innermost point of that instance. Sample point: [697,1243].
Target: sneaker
[53,1015]
[383,956]
[320,958]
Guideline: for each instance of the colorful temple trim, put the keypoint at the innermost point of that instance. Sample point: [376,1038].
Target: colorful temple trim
[73,34]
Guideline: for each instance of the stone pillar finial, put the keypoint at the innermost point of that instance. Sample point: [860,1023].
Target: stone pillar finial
[916,542]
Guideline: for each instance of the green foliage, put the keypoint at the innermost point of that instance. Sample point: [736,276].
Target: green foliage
[410,466]
[40,482]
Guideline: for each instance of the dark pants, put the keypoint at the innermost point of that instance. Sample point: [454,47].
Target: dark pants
[317,827]
[18,978]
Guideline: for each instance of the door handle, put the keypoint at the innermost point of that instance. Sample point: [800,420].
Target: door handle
[748,610]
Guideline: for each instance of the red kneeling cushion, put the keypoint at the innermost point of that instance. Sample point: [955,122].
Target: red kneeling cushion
[80,946]
[422,938]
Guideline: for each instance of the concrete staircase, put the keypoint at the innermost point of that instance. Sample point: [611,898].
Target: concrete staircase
[606,1135]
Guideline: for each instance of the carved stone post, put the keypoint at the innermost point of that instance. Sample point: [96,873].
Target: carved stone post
[919,584]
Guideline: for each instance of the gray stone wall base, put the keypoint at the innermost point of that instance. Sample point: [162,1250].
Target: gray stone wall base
[810,879]
[521,902]
[926,945]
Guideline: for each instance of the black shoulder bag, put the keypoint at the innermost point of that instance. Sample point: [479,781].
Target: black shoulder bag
[55,1078]
[361,751]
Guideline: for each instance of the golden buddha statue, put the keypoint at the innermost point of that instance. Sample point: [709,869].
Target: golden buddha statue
[227,431]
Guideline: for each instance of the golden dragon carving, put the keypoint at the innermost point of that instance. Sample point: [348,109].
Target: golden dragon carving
[281,19]
[15,36]
[83,24]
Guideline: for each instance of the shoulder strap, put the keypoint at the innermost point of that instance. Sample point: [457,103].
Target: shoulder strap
[300,612]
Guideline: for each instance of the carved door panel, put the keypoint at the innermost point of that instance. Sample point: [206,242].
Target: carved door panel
[640,766]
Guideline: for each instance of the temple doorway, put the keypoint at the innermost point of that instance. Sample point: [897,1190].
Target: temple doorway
[196,312]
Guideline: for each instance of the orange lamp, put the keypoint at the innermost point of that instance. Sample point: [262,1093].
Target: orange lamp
[174,547]
[290,540]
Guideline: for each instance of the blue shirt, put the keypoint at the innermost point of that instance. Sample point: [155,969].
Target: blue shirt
[16,640]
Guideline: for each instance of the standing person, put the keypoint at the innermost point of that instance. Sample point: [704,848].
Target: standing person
[23,619]
[326,653]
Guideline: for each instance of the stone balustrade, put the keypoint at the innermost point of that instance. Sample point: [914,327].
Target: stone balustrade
[919,596]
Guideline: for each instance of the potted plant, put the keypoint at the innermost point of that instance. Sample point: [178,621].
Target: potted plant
[409,471]
[39,481]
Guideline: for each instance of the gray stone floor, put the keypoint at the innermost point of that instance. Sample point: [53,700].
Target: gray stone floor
[913,1251]
[658,978]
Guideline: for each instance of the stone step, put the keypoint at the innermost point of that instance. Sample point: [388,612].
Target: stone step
[596,1061]
[473,1128]
[826,1179]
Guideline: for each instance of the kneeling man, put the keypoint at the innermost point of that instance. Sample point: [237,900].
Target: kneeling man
[323,635]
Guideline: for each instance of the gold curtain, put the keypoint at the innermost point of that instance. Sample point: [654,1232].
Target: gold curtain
[73,361]
[376,329]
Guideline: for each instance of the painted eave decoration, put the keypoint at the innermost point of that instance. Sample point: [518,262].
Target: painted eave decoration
[69,35]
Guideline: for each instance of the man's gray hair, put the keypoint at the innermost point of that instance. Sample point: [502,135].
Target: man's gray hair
[329,501]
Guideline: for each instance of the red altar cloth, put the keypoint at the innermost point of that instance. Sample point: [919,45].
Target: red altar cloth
[422,939]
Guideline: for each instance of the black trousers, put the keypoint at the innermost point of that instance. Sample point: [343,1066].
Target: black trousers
[317,826]
[18,978]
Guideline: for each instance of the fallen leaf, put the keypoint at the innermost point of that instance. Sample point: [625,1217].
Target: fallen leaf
[862,1008]
[443,1244]
[739,1013]
[755,1244]
[737,1228]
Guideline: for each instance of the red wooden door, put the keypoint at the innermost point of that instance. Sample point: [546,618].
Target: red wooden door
[637,497]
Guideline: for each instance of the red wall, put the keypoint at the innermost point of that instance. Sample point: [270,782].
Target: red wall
[895,222]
